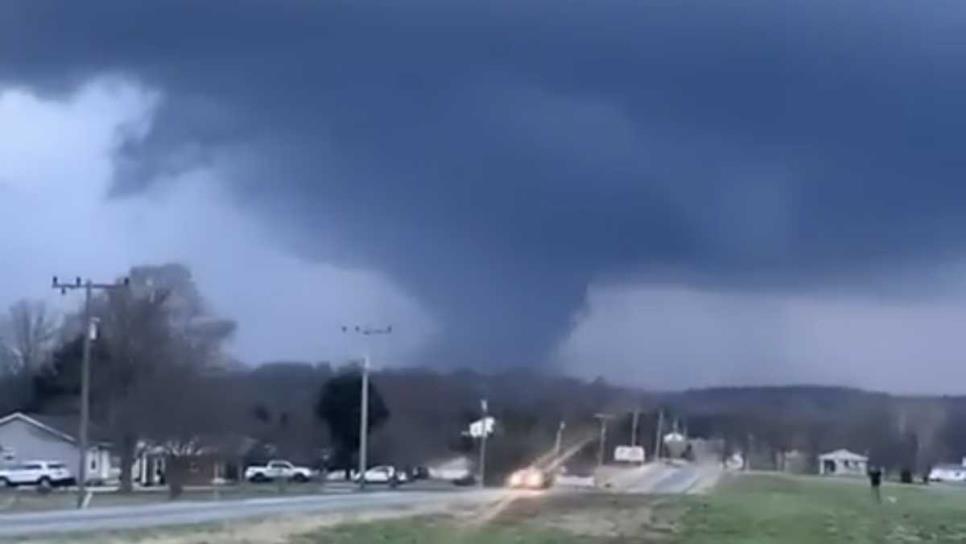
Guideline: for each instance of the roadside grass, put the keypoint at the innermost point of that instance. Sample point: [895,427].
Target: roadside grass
[759,509]
[581,518]
[188,534]
[434,531]
[29,499]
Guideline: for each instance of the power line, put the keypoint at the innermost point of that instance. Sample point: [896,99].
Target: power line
[364,400]
[89,331]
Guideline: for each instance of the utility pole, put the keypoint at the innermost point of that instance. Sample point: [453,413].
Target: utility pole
[364,401]
[558,443]
[485,410]
[89,328]
[657,435]
[634,418]
[364,424]
[603,437]
[748,450]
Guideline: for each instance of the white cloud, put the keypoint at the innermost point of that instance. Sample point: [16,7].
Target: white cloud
[55,219]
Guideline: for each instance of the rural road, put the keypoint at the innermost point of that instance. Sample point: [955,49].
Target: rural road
[662,478]
[652,478]
[191,512]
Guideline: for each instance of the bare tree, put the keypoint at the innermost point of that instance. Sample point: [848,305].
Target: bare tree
[155,329]
[26,344]
[31,330]
[182,419]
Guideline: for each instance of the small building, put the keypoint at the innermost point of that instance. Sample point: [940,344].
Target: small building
[42,437]
[842,463]
[206,460]
[948,473]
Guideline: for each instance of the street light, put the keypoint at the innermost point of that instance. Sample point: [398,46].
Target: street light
[364,400]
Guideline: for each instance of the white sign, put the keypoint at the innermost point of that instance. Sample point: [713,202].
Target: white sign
[477,427]
[629,454]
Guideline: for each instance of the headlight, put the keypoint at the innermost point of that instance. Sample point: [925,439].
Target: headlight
[516,479]
[534,479]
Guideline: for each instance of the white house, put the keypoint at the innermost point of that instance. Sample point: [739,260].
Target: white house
[843,463]
[26,437]
[948,473]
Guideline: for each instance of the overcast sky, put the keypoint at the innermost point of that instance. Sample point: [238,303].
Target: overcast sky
[666,194]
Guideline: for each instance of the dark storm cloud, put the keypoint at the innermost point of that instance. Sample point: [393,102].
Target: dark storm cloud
[496,157]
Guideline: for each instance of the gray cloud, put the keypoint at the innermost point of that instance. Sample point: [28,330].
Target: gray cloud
[494,159]
[669,336]
[54,218]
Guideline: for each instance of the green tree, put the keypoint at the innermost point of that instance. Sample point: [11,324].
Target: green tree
[339,406]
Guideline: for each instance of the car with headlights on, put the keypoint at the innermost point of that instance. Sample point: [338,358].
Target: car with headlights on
[530,478]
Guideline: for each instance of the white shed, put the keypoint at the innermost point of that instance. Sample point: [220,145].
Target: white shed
[843,463]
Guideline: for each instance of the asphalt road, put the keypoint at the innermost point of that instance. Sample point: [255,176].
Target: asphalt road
[192,512]
[663,478]
[652,478]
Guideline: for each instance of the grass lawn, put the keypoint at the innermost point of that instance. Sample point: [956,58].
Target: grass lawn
[805,510]
[29,499]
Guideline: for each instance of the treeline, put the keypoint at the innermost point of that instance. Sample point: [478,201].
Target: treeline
[897,432]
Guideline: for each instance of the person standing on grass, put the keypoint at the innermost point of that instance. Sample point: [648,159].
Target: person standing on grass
[875,480]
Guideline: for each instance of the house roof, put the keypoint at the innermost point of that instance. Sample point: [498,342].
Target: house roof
[233,445]
[843,455]
[63,426]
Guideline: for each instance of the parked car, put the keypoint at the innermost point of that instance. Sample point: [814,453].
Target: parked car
[384,474]
[42,473]
[465,480]
[419,473]
[278,470]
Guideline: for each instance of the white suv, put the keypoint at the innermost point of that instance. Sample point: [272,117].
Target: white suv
[42,473]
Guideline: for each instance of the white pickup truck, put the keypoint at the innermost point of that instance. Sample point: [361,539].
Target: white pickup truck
[278,470]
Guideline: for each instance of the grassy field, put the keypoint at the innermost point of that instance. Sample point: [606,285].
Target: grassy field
[755,509]
[765,509]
